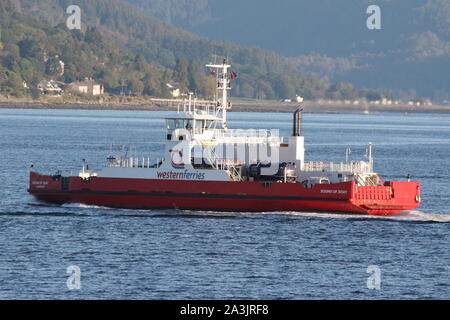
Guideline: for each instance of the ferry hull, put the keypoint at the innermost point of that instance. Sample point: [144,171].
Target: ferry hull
[393,197]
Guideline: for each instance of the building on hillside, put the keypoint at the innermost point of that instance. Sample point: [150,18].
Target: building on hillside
[62,67]
[299,99]
[49,87]
[174,89]
[88,86]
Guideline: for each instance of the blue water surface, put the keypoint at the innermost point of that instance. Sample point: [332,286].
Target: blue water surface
[155,254]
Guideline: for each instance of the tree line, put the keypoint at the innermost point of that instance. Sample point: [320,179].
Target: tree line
[144,57]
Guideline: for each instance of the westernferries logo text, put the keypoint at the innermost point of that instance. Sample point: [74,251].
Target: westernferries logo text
[184,175]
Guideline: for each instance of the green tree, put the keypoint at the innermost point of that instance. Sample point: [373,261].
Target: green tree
[194,77]
[53,67]
[93,36]
[31,48]
[181,73]
[135,86]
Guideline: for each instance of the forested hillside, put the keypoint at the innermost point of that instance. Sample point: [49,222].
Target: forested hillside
[31,51]
[120,44]
[410,54]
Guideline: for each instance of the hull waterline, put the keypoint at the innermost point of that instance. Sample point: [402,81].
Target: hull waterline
[392,198]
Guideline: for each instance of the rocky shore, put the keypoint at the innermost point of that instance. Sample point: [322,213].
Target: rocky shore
[239,106]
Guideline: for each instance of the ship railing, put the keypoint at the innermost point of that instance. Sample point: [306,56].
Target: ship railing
[216,162]
[360,181]
[224,164]
[231,167]
[231,133]
[234,173]
[193,106]
[368,180]
[353,167]
[247,136]
[373,181]
[133,162]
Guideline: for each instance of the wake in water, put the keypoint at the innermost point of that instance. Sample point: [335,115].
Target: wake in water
[422,216]
[407,216]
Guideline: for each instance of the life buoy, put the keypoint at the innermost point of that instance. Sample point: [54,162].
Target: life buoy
[175,163]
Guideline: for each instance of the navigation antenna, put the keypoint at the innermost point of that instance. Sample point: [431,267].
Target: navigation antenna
[223,86]
[369,155]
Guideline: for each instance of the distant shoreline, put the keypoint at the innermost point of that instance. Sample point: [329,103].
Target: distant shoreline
[239,106]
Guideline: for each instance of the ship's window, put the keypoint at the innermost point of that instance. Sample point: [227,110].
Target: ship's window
[179,123]
[189,124]
[209,124]
[170,124]
[199,126]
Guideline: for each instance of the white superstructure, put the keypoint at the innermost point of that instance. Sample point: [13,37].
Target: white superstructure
[200,146]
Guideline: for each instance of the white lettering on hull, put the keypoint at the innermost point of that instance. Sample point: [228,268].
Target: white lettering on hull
[334,191]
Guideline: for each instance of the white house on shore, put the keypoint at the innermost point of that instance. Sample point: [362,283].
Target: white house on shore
[174,89]
[88,86]
[299,99]
[48,87]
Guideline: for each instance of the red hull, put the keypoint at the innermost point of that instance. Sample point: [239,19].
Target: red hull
[393,197]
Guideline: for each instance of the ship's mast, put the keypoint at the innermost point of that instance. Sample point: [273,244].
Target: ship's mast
[223,85]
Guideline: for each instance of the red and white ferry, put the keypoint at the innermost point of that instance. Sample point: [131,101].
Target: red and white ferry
[208,166]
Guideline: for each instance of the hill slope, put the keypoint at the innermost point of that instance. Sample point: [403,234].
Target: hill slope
[411,53]
[31,51]
[263,74]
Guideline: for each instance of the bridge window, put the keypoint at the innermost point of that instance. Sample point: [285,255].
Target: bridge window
[171,124]
[179,124]
[199,126]
[189,124]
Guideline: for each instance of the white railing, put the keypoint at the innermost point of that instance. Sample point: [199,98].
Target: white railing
[246,136]
[354,167]
[133,162]
[263,133]
[224,164]
[234,173]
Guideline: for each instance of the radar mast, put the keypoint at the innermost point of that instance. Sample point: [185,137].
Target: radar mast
[223,86]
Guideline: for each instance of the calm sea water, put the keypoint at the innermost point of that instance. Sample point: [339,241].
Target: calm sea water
[125,254]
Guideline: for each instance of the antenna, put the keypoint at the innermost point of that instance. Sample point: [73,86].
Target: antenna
[369,155]
[348,151]
[223,84]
